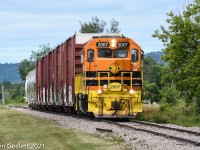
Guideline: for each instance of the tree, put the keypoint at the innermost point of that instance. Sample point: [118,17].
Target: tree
[114,27]
[95,26]
[148,63]
[181,48]
[152,71]
[170,95]
[98,26]
[27,65]
[151,92]
[152,80]
[36,55]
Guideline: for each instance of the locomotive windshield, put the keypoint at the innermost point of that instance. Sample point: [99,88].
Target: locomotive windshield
[120,53]
[107,53]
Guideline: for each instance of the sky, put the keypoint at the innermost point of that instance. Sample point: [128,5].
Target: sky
[26,24]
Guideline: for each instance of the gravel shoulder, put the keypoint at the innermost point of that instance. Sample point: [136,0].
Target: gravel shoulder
[133,139]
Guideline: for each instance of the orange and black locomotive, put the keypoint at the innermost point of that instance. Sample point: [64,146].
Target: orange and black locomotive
[95,74]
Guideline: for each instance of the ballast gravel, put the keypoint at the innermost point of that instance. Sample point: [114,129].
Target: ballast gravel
[133,139]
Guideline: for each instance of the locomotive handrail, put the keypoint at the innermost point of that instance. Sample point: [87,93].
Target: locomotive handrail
[131,78]
[122,78]
[99,78]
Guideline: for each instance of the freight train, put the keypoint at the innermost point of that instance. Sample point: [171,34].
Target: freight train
[94,74]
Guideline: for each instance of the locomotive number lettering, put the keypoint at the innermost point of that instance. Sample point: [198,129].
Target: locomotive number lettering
[102,44]
[115,86]
[123,44]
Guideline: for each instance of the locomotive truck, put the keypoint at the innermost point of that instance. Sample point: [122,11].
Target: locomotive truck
[94,74]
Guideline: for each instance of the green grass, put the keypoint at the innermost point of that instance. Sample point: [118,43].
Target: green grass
[17,104]
[189,121]
[16,127]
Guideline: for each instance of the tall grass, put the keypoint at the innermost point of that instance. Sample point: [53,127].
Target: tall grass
[151,113]
[179,114]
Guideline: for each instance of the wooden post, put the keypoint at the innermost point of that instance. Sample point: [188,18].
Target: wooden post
[2,96]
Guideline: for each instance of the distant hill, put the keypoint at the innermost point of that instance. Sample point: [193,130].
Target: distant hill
[9,72]
[155,56]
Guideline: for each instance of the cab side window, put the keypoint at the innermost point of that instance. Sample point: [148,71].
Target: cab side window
[134,55]
[90,55]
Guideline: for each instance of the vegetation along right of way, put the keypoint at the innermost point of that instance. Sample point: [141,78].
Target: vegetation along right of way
[175,84]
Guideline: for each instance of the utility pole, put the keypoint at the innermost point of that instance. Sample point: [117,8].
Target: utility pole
[2,96]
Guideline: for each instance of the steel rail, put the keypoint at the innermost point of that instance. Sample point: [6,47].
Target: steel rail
[166,127]
[155,133]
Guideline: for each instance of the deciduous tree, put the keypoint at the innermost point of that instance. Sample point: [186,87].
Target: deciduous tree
[43,50]
[27,65]
[95,26]
[152,80]
[181,48]
[114,27]
[98,26]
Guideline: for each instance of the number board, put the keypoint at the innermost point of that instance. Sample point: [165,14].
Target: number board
[102,44]
[122,44]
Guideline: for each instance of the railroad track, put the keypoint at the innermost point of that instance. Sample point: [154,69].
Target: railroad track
[166,135]
[166,127]
[130,126]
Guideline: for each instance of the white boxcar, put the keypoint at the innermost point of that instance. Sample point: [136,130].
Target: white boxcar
[30,87]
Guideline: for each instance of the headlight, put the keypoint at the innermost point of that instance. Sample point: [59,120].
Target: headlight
[105,86]
[131,91]
[113,43]
[99,91]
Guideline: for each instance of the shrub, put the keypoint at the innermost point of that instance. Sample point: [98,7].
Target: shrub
[180,113]
[158,117]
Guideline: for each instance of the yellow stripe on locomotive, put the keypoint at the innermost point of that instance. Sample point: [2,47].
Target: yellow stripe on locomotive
[111,82]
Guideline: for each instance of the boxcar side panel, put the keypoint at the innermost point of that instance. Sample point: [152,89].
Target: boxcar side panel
[65,73]
[59,77]
[55,74]
[71,68]
[55,81]
[51,77]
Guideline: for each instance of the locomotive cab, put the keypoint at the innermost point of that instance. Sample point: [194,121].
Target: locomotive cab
[111,81]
